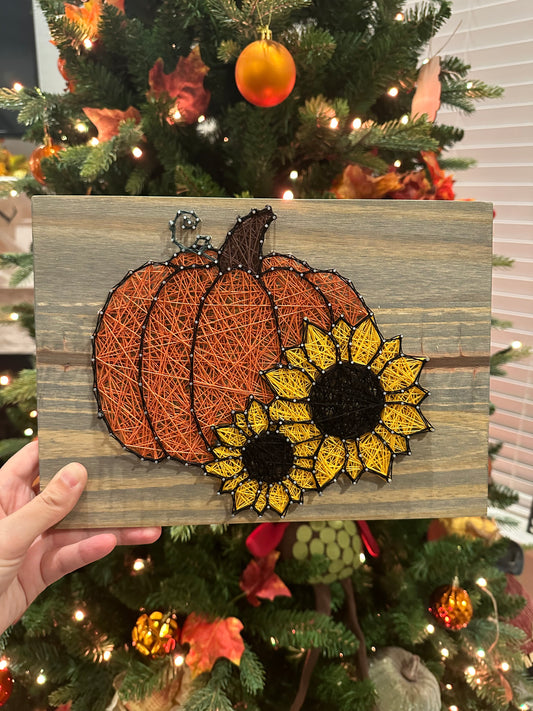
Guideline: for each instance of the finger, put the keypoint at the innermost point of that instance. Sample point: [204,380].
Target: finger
[64,560]
[123,536]
[23,466]
[53,503]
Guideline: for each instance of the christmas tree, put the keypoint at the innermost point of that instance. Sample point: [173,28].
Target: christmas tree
[211,617]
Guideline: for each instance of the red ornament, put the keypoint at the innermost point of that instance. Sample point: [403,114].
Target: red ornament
[451,606]
[46,151]
[265,72]
[6,684]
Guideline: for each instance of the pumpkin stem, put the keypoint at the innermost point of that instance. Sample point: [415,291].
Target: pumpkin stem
[411,668]
[243,246]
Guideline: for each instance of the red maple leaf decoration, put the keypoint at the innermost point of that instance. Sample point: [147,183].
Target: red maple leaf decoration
[108,121]
[185,85]
[87,16]
[210,640]
[259,580]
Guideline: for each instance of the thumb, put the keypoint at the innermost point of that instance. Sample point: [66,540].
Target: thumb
[46,509]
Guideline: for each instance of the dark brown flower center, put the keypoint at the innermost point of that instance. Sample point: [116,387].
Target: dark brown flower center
[268,457]
[347,400]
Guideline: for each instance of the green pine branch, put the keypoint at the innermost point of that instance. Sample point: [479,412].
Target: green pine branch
[22,262]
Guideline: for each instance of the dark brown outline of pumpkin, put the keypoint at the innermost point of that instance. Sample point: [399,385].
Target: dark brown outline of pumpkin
[136,422]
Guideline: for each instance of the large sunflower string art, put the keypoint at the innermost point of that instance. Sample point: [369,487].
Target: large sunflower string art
[356,391]
[260,464]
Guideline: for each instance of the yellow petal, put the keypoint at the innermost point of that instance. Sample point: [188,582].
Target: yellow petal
[376,456]
[231,484]
[353,465]
[303,478]
[302,433]
[231,435]
[245,495]
[278,498]
[306,462]
[341,332]
[365,342]
[412,395]
[329,461]
[225,452]
[298,358]
[396,442]
[294,491]
[389,350]
[403,419]
[261,501]
[240,421]
[287,411]
[289,383]
[400,373]
[257,417]
[224,468]
[319,347]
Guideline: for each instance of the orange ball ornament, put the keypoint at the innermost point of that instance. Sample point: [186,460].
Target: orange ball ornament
[265,72]
[41,152]
[451,606]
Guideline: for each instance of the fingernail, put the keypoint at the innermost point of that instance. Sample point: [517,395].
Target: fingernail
[71,476]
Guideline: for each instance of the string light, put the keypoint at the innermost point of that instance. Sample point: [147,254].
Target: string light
[79,615]
[28,432]
[449,687]
[397,163]
[356,123]
[4,379]
[87,43]
[293,174]
[425,61]
[32,413]
[106,655]
[136,152]
[17,86]
[469,84]
[481,653]
[372,648]
[445,652]
[470,671]
[399,17]
[404,119]
[334,123]
[3,664]
[94,141]
[226,139]
[516,345]
[430,629]
[453,707]
[393,91]
[481,582]
[362,557]
[13,193]
[139,564]
[176,115]
[81,127]
[179,659]
[524,707]
[201,118]
[504,666]
[41,679]
[14,316]
[288,195]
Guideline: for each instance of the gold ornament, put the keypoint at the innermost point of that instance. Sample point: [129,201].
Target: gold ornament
[155,635]
[451,606]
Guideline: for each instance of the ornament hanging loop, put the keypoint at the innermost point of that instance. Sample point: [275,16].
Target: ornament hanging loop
[265,33]
[186,220]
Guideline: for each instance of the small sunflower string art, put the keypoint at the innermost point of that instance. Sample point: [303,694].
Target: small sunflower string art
[352,392]
[260,464]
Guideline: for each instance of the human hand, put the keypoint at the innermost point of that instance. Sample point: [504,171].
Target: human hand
[32,556]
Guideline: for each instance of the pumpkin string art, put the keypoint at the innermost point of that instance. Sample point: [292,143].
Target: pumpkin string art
[237,361]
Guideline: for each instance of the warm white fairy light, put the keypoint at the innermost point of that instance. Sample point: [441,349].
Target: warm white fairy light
[504,666]
[28,432]
[136,152]
[3,664]
[481,653]
[4,379]
[397,163]
[41,679]
[362,557]
[106,656]
[288,195]
[469,84]
[293,174]
[430,628]
[453,707]
[372,648]
[356,123]
[201,118]
[94,141]
[449,687]
[14,316]
[399,17]
[481,582]
[393,91]
[226,139]
[17,86]
[445,652]
[404,119]
[79,615]
[516,345]
[178,660]
[176,115]
[470,671]
[32,413]
[139,564]
[13,193]
[334,123]
[524,707]
[87,43]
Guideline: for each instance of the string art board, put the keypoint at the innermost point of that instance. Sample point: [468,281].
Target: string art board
[244,364]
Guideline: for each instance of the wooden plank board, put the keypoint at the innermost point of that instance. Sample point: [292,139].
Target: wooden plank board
[423,267]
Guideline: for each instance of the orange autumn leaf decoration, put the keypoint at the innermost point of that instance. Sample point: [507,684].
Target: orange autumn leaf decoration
[185,85]
[359,183]
[87,16]
[108,121]
[426,99]
[259,580]
[210,640]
